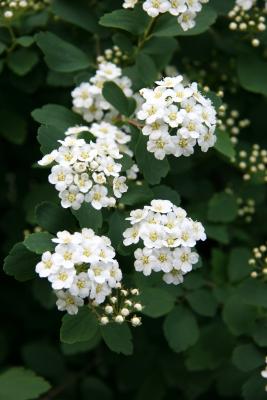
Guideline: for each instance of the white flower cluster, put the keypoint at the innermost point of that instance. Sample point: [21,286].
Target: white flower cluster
[9,8]
[88,172]
[177,117]
[81,267]
[185,10]
[87,97]
[168,236]
[245,4]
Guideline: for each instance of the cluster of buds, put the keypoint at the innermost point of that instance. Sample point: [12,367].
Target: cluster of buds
[121,307]
[251,21]
[27,232]
[230,121]
[246,209]
[13,8]
[114,55]
[212,76]
[253,163]
[259,261]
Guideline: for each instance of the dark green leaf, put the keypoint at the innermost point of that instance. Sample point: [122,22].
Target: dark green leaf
[20,263]
[39,242]
[21,61]
[54,218]
[224,145]
[78,328]
[247,357]
[115,96]
[88,217]
[222,208]
[118,338]
[157,302]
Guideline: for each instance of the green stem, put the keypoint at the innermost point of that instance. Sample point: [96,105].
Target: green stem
[13,38]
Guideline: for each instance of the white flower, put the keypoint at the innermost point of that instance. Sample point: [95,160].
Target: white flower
[183,259]
[183,146]
[163,260]
[71,197]
[99,292]
[61,177]
[144,261]
[177,7]
[48,158]
[97,196]
[129,3]
[173,116]
[162,206]
[62,279]
[83,182]
[245,4]
[187,237]
[155,7]
[161,146]
[187,20]
[82,96]
[155,130]
[67,302]
[70,254]
[170,82]
[109,71]
[151,112]
[119,186]
[198,231]
[49,265]
[137,215]
[131,236]
[206,140]
[75,130]
[64,237]
[153,236]
[175,277]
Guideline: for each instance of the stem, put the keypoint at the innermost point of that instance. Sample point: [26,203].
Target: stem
[13,38]
[147,34]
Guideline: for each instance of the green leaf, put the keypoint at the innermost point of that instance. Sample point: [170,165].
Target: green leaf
[54,218]
[152,169]
[13,126]
[254,388]
[253,74]
[156,301]
[203,302]
[39,242]
[238,267]
[137,194]
[60,55]
[118,338]
[224,145]
[21,384]
[56,116]
[115,96]
[146,69]
[133,21]
[217,232]
[78,328]
[20,263]
[25,41]
[79,14]
[48,137]
[81,347]
[164,192]
[180,329]
[88,217]
[259,333]
[43,294]
[247,357]
[253,292]
[222,207]
[2,47]
[22,61]
[213,348]
[167,25]
[117,225]
[238,316]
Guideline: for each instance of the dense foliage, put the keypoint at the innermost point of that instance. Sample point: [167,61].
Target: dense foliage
[194,326]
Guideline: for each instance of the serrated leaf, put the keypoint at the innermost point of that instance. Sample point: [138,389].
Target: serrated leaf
[20,263]
[115,96]
[152,169]
[88,217]
[79,14]
[133,21]
[54,218]
[21,384]
[247,357]
[180,329]
[25,41]
[57,116]
[222,208]
[118,338]
[60,55]
[156,301]
[39,242]
[203,302]
[22,61]
[224,145]
[80,327]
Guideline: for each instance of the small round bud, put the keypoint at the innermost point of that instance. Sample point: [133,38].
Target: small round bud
[251,261]
[135,292]
[263,248]
[113,300]
[254,274]
[255,42]
[128,303]
[125,312]
[119,319]
[8,14]
[233,26]
[261,27]
[138,307]
[136,321]
[104,320]
[109,309]
[124,292]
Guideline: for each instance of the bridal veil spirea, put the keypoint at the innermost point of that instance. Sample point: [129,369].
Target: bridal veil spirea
[168,236]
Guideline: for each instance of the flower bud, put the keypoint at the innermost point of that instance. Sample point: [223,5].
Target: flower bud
[119,319]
